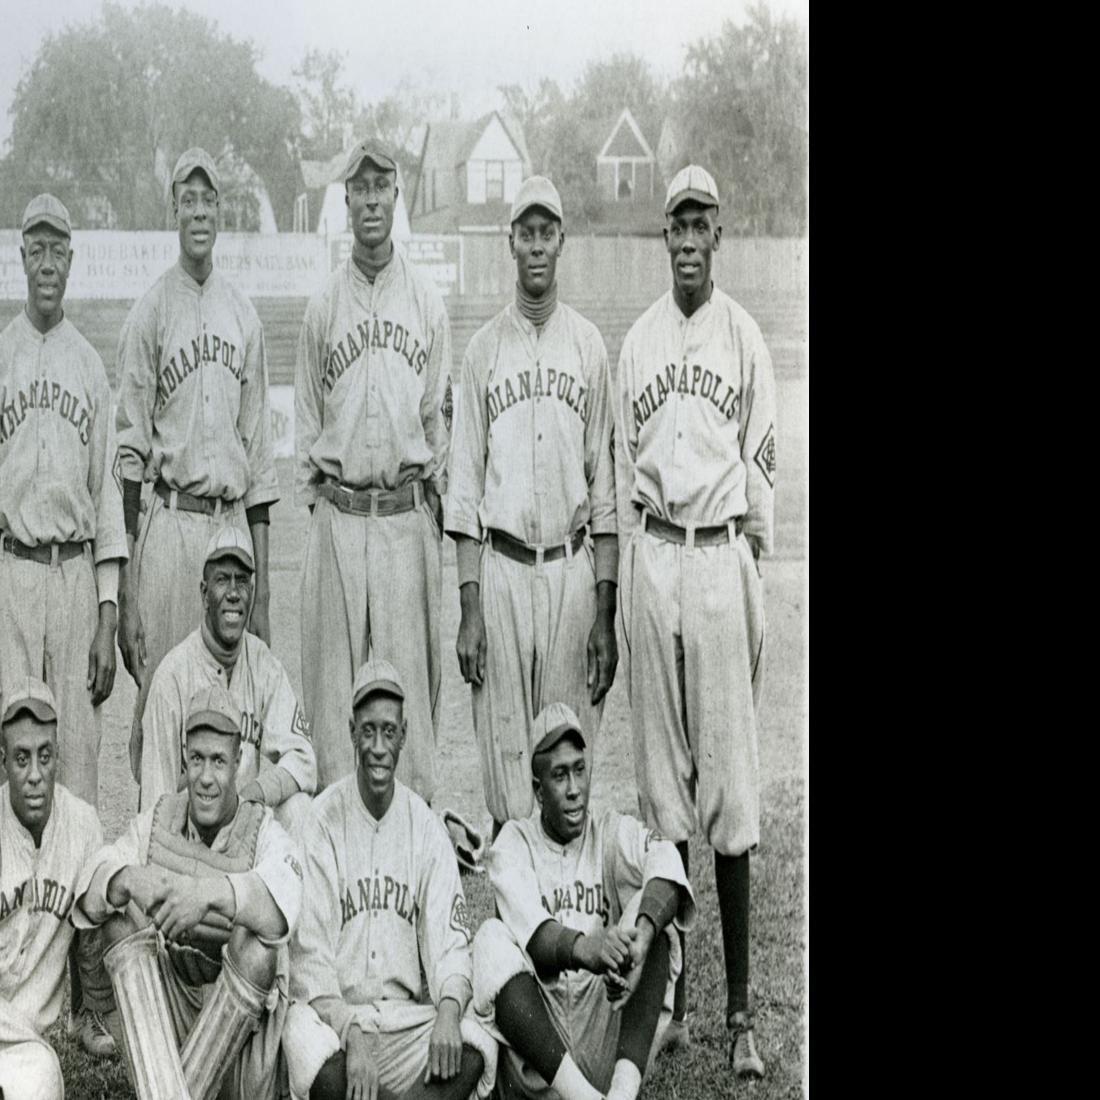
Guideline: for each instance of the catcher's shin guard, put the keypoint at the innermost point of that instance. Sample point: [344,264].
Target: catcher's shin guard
[228,1018]
[148,1038]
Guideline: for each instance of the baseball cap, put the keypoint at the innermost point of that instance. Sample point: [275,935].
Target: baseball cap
[46,208]
[692,182]
[367,150]
[29,694]
[212,708]
[231,542]
[376,675]
[554,722]
[192,159]
[536,191]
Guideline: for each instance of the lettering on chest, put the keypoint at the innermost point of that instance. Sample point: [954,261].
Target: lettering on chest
[45,395]
[378,894]
[558,385]
[37,896]
[372,334]
[579,897]
[696,381]
[185,361]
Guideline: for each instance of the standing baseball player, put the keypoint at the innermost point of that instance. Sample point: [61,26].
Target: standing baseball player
[277,768]
[198,899]
[578,973]
[194,419]
[61,533]
[531,469]
[695,452]
[373,374]
[381,957]
[47,836]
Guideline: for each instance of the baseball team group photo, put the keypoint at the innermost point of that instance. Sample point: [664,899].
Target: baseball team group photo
[404,558]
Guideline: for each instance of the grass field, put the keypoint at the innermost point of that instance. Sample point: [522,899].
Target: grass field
[779,908]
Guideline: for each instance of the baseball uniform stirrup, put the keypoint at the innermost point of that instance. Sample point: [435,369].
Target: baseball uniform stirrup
[148,1038]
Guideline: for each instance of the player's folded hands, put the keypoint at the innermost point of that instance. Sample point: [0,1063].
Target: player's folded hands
[604,950]
[445,1047]
[184,906]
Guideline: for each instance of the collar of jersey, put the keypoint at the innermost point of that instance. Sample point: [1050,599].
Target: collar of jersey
[31,333]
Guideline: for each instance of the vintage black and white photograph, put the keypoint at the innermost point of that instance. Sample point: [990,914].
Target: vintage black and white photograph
[404,550]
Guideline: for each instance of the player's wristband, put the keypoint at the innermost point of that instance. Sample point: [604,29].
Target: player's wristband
[660,902]
[131,505]
[258,513]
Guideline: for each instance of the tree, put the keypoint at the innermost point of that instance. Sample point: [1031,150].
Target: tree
[397,124]
[329,107]
[106,108]
[742,110]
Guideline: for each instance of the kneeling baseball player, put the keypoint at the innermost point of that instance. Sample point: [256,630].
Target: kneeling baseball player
[197,900]
[577,978]
[380,962]
[277,768]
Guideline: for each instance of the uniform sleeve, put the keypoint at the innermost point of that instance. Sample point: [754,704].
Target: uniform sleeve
[515,885]
[92,907]
[277,870]
[161,737]
[313,947]
[254,422]
[469,445]
[437,431]
[643,854]
[599,457]
[758,439]
[138,356]
[286,740]
[625,440]
[105,478]
[442,927]
[309,403]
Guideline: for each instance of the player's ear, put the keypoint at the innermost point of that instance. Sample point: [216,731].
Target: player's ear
[717,233]
[351,730]
[512,242]
[536,786]
[561,240]
[664,233]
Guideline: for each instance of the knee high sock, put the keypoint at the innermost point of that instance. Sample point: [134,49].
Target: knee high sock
[639,1023]
[731,875]
[679,1003]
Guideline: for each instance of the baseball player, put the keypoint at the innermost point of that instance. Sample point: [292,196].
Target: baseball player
[381,957]
[61,533]
[576,976]
[695,454]
[194,419]
[373,375]
[530,470]
[47,836]
[197,900]
[277,765]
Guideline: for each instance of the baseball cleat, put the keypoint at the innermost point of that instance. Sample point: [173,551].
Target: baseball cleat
[93,1034]
[743,1057]
[675,1038]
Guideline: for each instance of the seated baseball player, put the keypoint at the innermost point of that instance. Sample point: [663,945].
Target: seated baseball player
[380,962]
[47,836]
[576,979]
[278,767]
[197,900]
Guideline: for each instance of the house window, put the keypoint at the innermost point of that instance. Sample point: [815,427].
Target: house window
[494,181]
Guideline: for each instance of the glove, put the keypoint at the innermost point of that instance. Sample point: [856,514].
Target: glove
[468,843]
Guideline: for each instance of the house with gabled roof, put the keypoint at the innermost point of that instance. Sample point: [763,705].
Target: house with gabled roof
[469,174]
[626,168]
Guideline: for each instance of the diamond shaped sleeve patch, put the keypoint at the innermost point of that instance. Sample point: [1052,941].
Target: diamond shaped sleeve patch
[765,455]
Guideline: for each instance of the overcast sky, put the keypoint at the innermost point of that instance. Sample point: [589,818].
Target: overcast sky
[463,46]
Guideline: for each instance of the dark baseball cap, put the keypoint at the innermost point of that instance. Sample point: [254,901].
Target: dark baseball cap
[367,150]
[31,695]
[231,542]
[376,676]
[44,209]
[554,723]
[212,708]
[193,158]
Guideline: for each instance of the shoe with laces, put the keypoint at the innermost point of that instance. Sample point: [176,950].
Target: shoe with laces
[743,1057]
[675,1038]
[93,1033]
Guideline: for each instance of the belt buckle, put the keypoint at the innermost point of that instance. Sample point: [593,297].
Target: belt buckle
[374,494]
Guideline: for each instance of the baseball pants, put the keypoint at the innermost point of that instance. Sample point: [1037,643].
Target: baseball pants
[48,618]
[371,586]
[169,557]
[693,621]
[577,1005]
[537,622]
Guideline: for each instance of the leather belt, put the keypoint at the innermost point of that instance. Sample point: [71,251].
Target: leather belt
[372,502]
[685,536]
[186,502]
[530,555]
[49,553]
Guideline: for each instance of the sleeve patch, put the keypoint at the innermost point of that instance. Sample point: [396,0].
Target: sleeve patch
[448,405]
[299,726]
[765,456]
[293,864]
[460,919]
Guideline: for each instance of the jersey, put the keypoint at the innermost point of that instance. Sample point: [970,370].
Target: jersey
[193,402]
[695,419]
[383,900]
[531,451]
[57,441]
[273,730]
[373,373]
[37,888]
